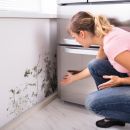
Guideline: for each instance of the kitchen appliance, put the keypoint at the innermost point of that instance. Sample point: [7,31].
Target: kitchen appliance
[72,56]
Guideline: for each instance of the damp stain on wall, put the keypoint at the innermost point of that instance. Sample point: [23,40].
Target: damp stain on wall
[40,82]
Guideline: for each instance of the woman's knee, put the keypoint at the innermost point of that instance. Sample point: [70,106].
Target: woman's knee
[95,64]
[91,102]
[98,67]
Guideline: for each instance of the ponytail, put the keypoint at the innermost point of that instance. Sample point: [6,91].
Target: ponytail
[102,26]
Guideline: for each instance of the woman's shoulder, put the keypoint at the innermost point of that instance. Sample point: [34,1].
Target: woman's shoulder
[116,42]
[116,34]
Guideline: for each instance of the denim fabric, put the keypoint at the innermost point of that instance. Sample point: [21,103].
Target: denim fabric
[111,102]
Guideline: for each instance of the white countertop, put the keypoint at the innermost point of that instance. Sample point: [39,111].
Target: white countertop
[22,14]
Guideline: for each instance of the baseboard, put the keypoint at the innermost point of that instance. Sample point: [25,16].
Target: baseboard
[25,115]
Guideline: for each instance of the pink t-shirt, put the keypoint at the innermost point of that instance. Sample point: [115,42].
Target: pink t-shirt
[114,43]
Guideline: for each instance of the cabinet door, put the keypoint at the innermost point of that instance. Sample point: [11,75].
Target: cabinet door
[75,92]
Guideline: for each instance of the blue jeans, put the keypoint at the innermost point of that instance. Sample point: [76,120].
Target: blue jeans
[113,103]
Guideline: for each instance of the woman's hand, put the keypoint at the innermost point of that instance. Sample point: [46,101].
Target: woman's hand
[114,81]
[68,79]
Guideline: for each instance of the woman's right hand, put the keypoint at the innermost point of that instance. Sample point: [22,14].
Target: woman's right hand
[68,79]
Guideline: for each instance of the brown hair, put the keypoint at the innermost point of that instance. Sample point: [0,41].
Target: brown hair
[97,25]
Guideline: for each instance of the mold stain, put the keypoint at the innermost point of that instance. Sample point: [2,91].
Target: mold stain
[39,80]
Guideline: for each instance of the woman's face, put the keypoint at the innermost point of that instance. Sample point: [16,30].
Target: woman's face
[84,38]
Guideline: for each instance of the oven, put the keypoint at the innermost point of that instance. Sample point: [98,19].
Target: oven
[72,56]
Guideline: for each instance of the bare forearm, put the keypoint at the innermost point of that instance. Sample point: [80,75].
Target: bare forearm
[83,74]
[124,81]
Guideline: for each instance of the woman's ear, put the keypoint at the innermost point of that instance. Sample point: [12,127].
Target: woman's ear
[82,34]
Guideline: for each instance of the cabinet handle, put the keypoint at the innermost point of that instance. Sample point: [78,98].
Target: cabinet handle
[81,51]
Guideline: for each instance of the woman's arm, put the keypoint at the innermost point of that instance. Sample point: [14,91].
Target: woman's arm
[70,77]
[123,59]
[125,80]
[85,72]
[101,54]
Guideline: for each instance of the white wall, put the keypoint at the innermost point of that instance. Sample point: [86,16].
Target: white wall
[21,5]
[49,6]
[28,64]
[42,6]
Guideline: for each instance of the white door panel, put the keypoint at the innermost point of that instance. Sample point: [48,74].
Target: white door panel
[75,92]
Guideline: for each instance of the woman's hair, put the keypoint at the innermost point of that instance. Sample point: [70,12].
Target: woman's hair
[97,25]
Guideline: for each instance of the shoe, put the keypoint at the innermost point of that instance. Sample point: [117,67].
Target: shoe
[106,123]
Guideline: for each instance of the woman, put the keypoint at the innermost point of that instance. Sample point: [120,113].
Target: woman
[110,69]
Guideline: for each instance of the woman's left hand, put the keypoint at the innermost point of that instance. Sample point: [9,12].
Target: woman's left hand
[114,81]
